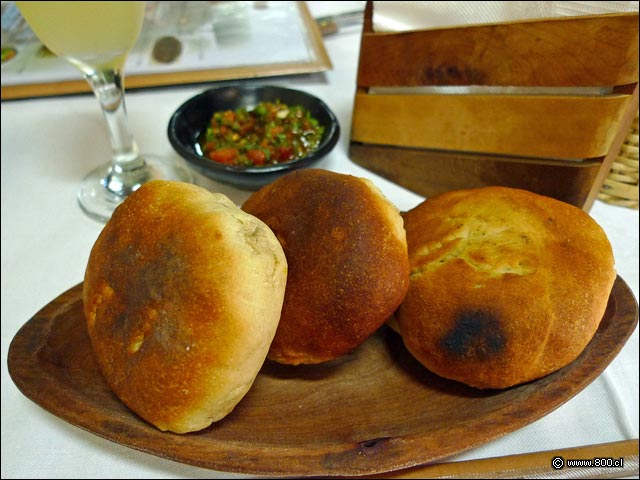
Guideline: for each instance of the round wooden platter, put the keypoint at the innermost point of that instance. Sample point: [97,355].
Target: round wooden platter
[375,410]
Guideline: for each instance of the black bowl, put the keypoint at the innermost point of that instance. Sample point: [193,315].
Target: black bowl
[193,117]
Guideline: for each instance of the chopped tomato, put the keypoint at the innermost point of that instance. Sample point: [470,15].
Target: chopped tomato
[276,130]
[257,157]
[229,116]
[284,153]
[224,155]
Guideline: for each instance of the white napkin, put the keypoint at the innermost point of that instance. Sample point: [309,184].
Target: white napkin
[397,16]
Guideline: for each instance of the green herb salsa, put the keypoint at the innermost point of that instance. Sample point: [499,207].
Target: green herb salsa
[270,133]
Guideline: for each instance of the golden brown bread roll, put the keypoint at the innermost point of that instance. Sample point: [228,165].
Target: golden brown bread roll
[182,296]
[506,286]
[347,255]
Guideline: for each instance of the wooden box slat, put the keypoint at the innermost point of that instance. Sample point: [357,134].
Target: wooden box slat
[430,172]
[555,52]
[568,127]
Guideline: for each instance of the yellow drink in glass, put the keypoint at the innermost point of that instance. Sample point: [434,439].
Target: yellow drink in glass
[96,37]
[89,34]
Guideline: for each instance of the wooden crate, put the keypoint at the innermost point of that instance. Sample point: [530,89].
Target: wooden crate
[560,144]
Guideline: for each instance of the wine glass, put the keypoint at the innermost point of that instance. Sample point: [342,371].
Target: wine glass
[96,37]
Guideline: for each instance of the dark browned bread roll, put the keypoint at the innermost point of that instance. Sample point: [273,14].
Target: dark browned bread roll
[182,296]
[347,255]
[506,286]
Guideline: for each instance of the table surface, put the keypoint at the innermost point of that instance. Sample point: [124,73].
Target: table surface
[48,144]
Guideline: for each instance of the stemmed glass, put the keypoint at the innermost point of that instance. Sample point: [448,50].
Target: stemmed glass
[96,37]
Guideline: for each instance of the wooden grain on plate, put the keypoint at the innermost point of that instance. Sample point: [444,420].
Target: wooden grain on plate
[372,411]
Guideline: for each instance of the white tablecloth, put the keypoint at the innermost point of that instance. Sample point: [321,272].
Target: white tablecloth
[47,147]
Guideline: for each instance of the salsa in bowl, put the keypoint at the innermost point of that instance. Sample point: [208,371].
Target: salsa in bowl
[267,134]
[249,136]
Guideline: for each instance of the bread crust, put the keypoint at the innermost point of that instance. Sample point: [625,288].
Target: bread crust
[347,255]
[506,285]
[182,296]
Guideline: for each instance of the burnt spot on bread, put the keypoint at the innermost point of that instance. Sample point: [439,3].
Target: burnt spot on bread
[475,335]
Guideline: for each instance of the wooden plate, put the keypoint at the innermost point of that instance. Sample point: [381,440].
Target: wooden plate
[373,411]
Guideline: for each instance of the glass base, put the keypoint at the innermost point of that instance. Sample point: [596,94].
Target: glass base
[102,191]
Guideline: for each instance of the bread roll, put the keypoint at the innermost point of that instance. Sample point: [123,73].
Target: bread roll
[347,255]
[182,297]
[506,285]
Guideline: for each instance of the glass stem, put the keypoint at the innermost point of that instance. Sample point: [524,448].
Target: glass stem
[128,170]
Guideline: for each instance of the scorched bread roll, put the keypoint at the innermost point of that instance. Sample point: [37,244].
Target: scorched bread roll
[506,286]
[347,255]
[182,296]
